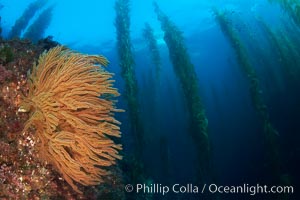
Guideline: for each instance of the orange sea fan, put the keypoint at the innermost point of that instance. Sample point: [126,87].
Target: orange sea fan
[72,113]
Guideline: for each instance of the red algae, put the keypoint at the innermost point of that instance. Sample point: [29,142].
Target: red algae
[4,74]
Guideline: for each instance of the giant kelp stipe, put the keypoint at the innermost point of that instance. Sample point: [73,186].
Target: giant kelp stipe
[185,71]
[131,99]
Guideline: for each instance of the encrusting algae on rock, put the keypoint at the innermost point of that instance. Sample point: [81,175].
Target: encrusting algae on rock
[72,120]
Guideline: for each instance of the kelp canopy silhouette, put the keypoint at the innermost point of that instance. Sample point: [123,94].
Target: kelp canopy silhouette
[23,21]
[73,116]
[37,29]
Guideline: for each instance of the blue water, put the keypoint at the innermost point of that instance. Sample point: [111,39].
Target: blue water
[234,129]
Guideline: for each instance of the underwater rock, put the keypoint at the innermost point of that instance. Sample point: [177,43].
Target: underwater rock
[22,174]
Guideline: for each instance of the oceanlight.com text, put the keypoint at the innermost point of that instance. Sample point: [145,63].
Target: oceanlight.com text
[250,189]
[190,188]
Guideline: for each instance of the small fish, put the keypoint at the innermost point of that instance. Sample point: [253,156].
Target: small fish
[22,110]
